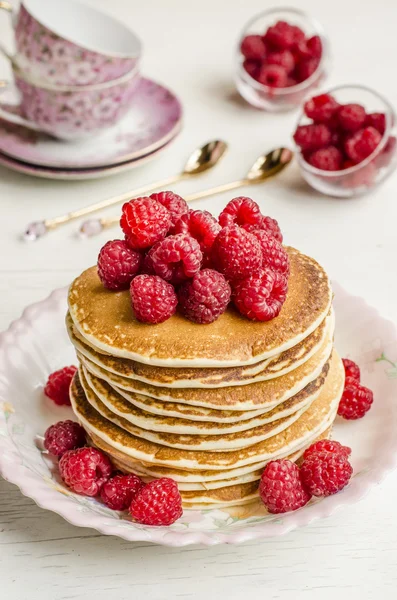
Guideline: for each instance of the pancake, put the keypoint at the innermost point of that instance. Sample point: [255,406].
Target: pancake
[216,443]
[261,395]
[105,319]
[212,485]
[216,377]
[118,405]
[310,423]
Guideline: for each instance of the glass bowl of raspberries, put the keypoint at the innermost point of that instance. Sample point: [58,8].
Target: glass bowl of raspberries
[346,141]
[282,55]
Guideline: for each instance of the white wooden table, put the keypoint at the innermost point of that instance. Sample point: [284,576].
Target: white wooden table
[189,46]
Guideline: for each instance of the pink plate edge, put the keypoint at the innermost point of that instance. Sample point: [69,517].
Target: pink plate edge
[50,499]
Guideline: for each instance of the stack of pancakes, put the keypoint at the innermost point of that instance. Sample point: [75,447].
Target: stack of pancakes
[208,405]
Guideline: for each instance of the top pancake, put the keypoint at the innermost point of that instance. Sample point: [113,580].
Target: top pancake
[105,319]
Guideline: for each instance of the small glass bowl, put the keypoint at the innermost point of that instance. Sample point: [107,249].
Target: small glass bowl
[288,98]
[370,172]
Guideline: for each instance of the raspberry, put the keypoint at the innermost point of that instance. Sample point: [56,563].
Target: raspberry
[274,256]
[273,76]
[362,143]
[205,297]
[64,436]
[175,204]
[85,470]
[315,46]
[306,68]
[327,446]
[377,121]
[119,491]
[351,117]
[153,300]
[312,137]
[356,400]
[351,369]
[58,384]
[241,211]
[117,264]
[281,488]
[158,503]
[236,253]
[271,227]
[252,67]
[201,226]
[177,258]
[321,108]
[327,159]
[147,267]
[283,58]
[253,47]
[282,36]
[144,222]
[261,296]
[325,473]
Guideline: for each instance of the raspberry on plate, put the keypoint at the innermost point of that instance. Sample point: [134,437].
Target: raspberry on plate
[117,264]
[253,47]
[281,488]
[261,296]
[144,222]
[119,491]
[326,159]
[177,258]
[356,400]
[236,253]
[283,58]
[64,436]
[312,137]
[158,503]
[153,300]
[351,117]
[273,76]
[325,473]
[271,227]
[241,211]
[274,255]
[351,369]
[58,384]
[85,470]
[321,108]
[175,204]
[362,143]
[201,226]
[377,121]
[327,446]
[205,297]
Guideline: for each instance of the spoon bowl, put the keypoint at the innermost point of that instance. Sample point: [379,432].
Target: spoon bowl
[205,158]
[269,164]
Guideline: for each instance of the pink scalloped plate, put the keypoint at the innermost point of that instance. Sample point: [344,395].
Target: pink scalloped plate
[37,344]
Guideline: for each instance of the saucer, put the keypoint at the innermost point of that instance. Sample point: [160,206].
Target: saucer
[27,357]
[78,174]
[155,118]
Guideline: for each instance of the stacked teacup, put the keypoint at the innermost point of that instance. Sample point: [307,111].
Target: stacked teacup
[75,67]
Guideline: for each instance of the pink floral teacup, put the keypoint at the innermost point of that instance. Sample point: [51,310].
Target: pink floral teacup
[68,112]
[65,42]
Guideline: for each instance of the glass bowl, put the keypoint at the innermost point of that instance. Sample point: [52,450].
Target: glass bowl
[367,174]
[287,98]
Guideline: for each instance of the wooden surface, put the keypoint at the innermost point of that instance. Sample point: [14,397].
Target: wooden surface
[189,46]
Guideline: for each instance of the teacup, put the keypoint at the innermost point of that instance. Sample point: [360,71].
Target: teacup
[70,112]
[65,42]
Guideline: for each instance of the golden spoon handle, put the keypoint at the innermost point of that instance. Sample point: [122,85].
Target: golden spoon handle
[110,221]
[55,222]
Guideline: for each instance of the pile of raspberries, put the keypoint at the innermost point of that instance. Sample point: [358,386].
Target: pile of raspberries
[176,258]
[282,57]
[340,135]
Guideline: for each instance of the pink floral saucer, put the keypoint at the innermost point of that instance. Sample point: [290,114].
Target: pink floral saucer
[27,357]
[154,119]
